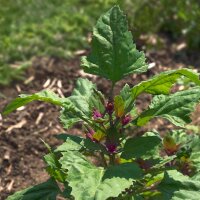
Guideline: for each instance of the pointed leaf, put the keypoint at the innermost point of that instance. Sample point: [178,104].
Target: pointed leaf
[44,191]
[114,55]
[176,107]
[45,95]
[162,83]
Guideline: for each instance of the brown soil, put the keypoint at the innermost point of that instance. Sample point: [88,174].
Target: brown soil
[21,149]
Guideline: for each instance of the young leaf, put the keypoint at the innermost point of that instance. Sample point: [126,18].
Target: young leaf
[90,182]
[162,83]
[45,191]
[45,95]
[176,107]
[81,103]
[114,55]
[176,186]
[139,146]
[119,106]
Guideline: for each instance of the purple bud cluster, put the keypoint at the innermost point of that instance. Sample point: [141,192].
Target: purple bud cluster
[111,148]
[109,107]
[125,120]
[111,144]
[96,114]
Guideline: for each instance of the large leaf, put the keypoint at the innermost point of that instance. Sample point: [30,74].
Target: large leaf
[45,95]
[44,191]
[162,83]
[114,55]
[176,107]
[81,103]
[138,146]
[176,186]
[90,182]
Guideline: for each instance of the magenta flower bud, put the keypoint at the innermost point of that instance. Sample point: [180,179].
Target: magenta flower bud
[90,135]
[111,148]
[126,119]
[109,107]
[96,114]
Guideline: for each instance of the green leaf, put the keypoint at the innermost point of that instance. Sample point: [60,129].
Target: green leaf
[124,170]
[54,167]
[114,55]
[65,136]
[69,145]
[119,106]
[45,95]
[129,105]
[162,83]
[44,191]
[81,103]
[139,146]
[176,107]
[84,143]
[176,186]
[90,182]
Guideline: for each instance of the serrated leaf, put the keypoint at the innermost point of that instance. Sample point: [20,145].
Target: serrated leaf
[139,146]
[176,186]
[44,191]
[162,83]
[176,107]
[119,106]
[81,103]
[45,95]
[90,182]
[114,55]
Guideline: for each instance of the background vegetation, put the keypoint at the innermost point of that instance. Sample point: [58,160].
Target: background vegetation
[60,27]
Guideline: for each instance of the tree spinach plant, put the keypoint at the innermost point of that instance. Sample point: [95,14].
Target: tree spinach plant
[107,162]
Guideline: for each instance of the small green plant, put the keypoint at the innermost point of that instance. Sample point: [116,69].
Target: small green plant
[108,162]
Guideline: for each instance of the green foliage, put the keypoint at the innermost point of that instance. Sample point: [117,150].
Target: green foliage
[45,95]
[107,163]
[139,146]
[175,107]
[58,28]
[113,56]
[47,191]
[175,186]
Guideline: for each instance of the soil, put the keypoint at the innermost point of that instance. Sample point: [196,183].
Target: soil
[21,148]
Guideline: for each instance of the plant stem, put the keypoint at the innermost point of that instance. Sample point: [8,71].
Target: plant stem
[111,92]
[103,159]
[112,159]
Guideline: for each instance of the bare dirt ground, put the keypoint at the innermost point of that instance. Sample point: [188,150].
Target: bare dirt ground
[21,149]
